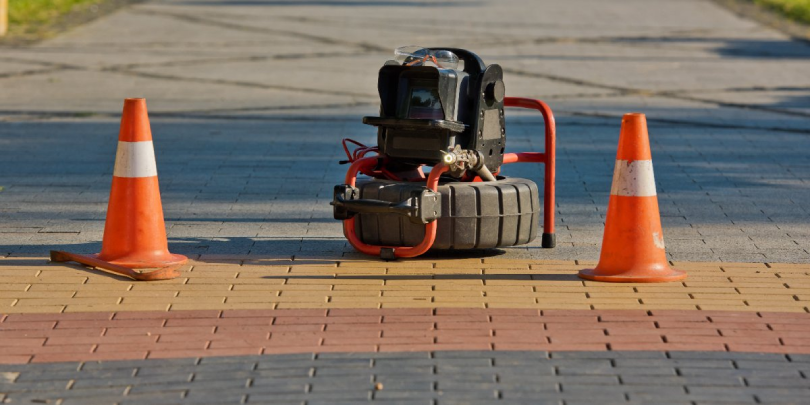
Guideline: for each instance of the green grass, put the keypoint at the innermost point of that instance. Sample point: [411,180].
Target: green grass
[28,17]
[797,10]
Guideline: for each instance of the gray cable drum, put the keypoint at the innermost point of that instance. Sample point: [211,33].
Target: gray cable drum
[474,215]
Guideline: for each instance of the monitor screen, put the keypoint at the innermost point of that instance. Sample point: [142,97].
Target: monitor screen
[424,103]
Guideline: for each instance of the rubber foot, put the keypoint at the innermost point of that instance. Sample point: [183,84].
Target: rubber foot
[387,254]
[549,240]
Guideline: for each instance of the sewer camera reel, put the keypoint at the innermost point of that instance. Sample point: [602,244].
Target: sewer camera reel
[450,120]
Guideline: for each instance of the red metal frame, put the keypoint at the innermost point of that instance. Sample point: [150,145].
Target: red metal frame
[368,165]
[549,158]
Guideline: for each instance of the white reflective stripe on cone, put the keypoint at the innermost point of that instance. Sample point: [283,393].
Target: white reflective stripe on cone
[135,159]
[633,179]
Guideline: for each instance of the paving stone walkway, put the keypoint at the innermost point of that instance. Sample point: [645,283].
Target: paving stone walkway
[211,283]
[440,377]
[100,336]
[249,100]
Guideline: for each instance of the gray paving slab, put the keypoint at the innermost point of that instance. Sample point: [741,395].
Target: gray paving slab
[525,380]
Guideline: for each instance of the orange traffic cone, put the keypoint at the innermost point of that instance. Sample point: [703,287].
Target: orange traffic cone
[134,233]
[633,243]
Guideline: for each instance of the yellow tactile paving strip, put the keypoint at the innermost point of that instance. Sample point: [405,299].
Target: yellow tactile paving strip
[33,285]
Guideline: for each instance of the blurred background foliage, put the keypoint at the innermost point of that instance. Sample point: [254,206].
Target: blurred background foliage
[797,10]
[36,17]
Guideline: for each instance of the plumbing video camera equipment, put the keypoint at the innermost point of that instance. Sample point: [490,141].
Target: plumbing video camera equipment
[435,113]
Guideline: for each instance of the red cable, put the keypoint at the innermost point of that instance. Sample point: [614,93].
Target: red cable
[360,152]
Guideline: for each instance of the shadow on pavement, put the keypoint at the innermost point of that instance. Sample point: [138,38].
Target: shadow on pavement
[263,187]
[298,251]
[436,275]
[736,48]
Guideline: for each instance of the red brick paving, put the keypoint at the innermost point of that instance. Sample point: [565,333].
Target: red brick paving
[137,335]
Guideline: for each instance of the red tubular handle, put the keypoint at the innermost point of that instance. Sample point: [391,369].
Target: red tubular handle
[549,158]
[349,227]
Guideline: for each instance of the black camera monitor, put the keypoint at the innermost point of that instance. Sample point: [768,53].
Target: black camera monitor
[428,106]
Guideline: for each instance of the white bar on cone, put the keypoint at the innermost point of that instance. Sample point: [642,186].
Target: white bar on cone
[135,159]
[633,179]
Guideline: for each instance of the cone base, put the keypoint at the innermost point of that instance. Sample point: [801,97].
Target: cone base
[658,277]
[133,262]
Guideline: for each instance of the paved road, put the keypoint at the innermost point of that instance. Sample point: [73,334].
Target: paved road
[249,100]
